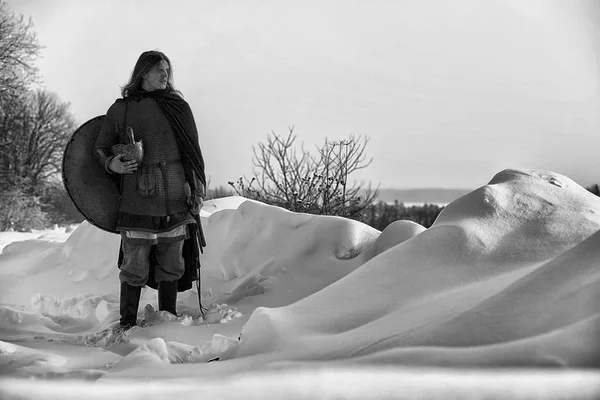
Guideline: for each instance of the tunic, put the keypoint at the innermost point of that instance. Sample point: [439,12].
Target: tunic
[153,198]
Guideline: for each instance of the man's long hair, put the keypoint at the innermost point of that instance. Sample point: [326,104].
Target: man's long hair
[144,64]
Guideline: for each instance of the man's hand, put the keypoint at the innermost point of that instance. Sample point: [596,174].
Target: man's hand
[197,203]
[194,201]
[120,166]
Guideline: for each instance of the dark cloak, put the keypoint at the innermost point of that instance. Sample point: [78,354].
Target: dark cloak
[180,117]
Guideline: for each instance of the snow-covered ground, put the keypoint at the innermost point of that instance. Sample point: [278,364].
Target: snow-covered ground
[500,298]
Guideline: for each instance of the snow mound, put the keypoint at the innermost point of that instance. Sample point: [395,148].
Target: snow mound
[396,233]
[479,276]
[16,318]
[225,203]
[100,258]
[81,306]
[159,352]
[259,249]
[152,352]
[23,361]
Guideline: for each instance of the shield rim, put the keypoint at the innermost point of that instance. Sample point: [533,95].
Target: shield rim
[64,178]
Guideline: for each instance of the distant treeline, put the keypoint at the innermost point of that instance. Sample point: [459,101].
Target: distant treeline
[421,196]
[595,189]
[380,215]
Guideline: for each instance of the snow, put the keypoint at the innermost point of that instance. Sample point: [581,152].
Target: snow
[500,297]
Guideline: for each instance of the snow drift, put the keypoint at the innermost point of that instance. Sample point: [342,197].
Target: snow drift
[485,285]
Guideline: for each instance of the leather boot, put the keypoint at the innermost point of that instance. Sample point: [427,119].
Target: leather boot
[128,307]
[167,296]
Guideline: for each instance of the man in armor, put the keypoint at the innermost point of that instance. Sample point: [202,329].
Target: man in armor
[149,142]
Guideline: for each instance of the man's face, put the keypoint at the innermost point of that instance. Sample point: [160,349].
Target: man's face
[157,77]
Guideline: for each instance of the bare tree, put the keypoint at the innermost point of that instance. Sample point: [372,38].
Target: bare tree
[18,48]
[34,130]
[302,182]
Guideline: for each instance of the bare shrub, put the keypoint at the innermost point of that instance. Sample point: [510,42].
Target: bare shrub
[302,182]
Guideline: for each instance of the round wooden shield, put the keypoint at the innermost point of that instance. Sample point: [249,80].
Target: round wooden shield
[94,191]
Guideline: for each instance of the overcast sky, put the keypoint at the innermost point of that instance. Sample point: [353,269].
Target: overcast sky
[450,92]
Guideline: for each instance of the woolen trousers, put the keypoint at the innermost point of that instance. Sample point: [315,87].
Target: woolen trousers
[135,268]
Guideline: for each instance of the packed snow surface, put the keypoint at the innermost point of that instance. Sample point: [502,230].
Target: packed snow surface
[500,295]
